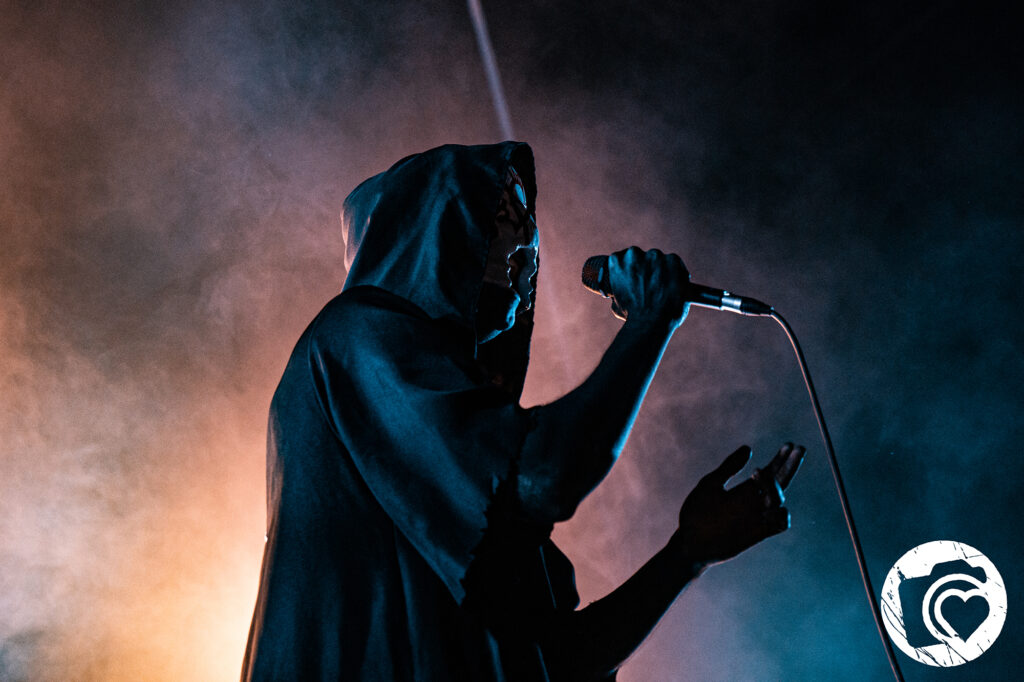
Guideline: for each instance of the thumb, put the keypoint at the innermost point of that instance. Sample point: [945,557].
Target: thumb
[732,465]
[617,310]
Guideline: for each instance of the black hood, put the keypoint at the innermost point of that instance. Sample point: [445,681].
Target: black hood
[421,231]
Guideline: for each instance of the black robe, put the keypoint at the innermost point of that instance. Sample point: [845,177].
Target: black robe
[395,550]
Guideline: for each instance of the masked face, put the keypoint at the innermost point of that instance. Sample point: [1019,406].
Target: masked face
[511,262]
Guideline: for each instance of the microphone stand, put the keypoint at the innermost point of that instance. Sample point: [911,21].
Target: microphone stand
[841,489]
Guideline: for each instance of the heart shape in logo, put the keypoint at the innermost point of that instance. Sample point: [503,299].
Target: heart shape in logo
[961,613]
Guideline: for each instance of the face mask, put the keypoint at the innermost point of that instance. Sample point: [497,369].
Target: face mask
[515,242]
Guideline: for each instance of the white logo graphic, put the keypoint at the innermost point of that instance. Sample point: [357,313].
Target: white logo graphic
[944,603]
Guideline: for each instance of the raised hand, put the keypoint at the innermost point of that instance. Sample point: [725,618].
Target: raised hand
[648,286]
[716,524]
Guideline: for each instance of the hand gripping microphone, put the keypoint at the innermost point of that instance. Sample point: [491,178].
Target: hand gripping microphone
[596,278]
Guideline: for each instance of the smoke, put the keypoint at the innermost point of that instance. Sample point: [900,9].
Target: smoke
[169,203]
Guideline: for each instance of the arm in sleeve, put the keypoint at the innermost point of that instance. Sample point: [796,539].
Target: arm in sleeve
[578,437]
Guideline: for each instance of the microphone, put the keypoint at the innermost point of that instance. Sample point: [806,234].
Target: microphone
[595,278]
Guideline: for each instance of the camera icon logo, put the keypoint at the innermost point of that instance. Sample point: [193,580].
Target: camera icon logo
[944,603]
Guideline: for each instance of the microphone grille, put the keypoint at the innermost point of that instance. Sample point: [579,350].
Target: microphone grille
[595,274]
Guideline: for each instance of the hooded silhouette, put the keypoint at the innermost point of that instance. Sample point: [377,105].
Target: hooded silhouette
[395,550]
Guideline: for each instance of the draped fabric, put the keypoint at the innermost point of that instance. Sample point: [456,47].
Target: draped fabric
[395,550]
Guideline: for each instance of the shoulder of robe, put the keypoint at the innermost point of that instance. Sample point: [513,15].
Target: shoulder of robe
[366,319]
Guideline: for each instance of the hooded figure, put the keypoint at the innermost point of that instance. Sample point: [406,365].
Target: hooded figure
[393,442]
[410,498]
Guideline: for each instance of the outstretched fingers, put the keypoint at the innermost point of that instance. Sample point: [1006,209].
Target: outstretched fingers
[785,464]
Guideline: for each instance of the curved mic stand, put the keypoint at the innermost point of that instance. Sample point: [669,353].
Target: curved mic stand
[841,489]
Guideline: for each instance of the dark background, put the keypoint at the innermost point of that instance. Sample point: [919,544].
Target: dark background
[169,193]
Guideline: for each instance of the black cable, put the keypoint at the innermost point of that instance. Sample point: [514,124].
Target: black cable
[847,514]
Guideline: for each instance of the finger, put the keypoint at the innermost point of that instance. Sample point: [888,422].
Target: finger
[617,310]
[679,265]
[732,465]
[621,264]
[776,498]
[790,466]
[779,460]
[631,256]
[769,491]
